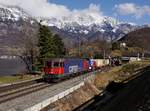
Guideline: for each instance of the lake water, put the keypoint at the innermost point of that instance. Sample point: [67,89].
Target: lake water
[11,66]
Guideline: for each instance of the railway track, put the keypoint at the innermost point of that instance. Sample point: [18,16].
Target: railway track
[14,91]
[18,85]
[4,97]
[27,83]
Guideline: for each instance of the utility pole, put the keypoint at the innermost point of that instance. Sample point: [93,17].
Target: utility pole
[104,55]
[138,55]
[79,47]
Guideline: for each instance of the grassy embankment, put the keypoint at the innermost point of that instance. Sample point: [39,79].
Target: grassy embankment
[17,78]
[119,74]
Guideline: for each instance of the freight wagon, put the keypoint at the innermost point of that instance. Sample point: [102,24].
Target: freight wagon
[101,62]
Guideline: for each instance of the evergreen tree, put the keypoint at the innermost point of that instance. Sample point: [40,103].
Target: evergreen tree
[59,48]
[115,46]
[50,45]
[45,42]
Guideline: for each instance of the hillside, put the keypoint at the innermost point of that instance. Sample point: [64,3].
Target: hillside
[139,38]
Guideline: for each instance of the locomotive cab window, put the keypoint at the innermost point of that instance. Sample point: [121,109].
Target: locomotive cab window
[56,64]
[61,64]
[49,64]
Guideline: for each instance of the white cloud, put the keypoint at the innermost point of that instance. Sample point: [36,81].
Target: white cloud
[91,14]
[43,8]
[39,8]
[132,9]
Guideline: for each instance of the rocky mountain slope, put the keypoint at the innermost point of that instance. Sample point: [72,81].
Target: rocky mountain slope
[71,29]
[12,20]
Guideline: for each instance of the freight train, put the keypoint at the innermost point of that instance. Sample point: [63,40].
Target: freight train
[61,68]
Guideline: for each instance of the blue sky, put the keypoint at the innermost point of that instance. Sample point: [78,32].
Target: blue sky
[135,11]
[108,8]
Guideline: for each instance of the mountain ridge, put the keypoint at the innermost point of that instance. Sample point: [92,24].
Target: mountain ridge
[84,27]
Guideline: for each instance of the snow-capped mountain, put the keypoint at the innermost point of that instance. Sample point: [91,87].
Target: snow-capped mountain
[84,26]
[12,20]
[89,27]
[12,13]
[107,28]
[79,20]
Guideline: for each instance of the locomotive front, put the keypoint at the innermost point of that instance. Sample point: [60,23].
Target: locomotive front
[54,69]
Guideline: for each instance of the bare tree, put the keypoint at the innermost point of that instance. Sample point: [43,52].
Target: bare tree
[29,45]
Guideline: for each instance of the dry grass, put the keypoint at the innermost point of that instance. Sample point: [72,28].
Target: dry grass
[17,78]
[103,79]
[119,74]
[75,99]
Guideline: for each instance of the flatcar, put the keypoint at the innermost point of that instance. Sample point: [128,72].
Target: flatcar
[60,68]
